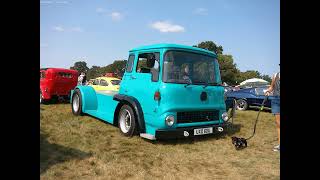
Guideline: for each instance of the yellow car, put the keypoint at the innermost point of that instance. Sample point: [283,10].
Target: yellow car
[106,84]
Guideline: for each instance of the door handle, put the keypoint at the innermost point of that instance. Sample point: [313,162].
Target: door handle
[133,77]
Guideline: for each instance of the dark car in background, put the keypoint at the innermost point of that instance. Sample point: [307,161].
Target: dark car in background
[249,97]
[229,101]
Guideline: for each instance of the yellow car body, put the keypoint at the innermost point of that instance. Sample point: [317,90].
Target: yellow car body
[106,84]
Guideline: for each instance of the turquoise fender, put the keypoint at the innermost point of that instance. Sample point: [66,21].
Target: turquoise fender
[89,98]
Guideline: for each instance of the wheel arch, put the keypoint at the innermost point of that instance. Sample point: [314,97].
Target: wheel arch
[88,97]
[135,105]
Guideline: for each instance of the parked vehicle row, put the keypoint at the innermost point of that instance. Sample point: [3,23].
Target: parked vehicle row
[167,91]
[249,97]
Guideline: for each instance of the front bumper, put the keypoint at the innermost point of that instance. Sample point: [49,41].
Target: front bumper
[186,132]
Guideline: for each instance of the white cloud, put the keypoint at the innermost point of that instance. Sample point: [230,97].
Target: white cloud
[54,2]
[100,10]
[62,2]
[58,28]
[116,16]
[167,26]
[200,11]
[76,29]
[71,29]
[46,2]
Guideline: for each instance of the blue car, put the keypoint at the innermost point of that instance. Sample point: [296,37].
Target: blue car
[249,97]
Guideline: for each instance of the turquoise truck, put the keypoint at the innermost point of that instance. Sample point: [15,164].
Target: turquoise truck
[167,91]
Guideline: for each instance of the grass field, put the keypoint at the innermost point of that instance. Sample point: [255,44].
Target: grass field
[82,147]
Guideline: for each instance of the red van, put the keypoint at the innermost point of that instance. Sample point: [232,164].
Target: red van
[56,83]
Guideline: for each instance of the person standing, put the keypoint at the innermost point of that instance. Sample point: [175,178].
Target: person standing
[274,89]
[80,78]
[84,79]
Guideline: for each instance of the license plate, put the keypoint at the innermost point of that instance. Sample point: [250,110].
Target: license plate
[203,131]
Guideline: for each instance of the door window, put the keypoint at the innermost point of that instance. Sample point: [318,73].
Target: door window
[148,62]
[103,82]
[96,82]
[130,63]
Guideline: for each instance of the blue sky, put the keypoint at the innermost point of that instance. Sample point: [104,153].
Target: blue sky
[101,31]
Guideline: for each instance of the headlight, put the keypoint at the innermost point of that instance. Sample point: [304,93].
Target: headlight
[170,120]
[225,116]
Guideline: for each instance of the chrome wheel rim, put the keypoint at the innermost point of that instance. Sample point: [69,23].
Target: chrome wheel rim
[125,121]
[75,103]
[241,105]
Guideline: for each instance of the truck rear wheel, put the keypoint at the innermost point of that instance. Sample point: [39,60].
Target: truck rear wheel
[76,104]
[127,121]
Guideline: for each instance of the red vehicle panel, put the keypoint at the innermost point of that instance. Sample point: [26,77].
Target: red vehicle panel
[56,82]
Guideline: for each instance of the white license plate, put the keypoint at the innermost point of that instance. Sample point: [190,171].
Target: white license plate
[203,131]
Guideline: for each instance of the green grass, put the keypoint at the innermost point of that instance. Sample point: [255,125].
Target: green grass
[82,147]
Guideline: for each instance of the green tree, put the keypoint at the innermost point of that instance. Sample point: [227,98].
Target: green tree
[228,69]
[80,66]
[211,46]
[93,72]
[116,67]
[267,78]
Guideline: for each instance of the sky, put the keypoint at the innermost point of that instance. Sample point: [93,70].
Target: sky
[101,31]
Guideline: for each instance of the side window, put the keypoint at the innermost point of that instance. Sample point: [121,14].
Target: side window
[42,74]
[260,91]
[130,63]
[96,82]
[103,82]
[148,62]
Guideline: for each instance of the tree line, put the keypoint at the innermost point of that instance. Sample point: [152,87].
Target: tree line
[228,69]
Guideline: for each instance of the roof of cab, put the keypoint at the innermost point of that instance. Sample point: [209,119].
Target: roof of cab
[177,46]
[59,69]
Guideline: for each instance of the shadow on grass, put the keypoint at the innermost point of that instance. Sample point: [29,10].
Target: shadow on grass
[228,131]
[51,154]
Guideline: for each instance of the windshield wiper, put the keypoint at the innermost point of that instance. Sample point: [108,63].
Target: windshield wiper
[206,84]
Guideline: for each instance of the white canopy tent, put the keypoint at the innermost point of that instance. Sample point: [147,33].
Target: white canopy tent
[254,82]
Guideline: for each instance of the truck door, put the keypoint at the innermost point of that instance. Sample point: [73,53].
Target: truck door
[141,83]
[146,82]
[128,78]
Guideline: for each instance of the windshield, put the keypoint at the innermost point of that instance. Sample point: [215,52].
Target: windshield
[115,82]
[190,68]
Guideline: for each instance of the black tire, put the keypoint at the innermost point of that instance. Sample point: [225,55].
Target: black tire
[76,103]
[127,121]
[242,105]
[54,100]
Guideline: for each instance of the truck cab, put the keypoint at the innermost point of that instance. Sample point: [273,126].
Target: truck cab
[167,91]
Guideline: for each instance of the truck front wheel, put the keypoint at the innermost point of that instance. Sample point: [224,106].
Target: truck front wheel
[76,104]
[127,121]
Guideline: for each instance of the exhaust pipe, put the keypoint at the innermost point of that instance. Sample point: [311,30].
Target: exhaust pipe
[220,129]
